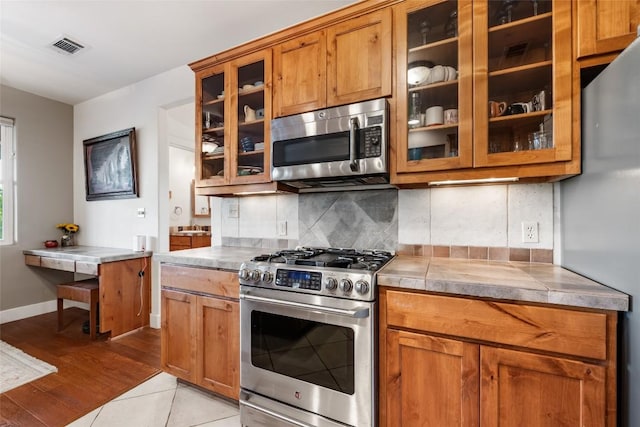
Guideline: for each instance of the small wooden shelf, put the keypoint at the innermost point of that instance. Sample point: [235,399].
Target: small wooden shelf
[214,101]
[251,153]
[433,127]
[533,116]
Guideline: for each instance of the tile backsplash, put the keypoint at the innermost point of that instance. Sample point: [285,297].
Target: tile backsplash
[468,221]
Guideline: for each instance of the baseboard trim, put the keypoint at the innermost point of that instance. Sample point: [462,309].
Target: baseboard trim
[154,321]
[26,311]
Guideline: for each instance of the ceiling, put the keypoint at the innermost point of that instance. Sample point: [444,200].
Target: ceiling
[128,41]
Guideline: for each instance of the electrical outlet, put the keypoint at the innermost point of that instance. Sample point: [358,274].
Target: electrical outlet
[282,228]
[530,232]
[234,211]
[141,213]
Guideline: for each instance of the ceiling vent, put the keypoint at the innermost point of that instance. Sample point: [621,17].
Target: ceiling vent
[66,46]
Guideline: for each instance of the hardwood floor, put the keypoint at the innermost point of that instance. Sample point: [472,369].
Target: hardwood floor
[90,373]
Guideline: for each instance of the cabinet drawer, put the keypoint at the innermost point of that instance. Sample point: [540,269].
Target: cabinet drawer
[58,264]
[200,280]
[557,330]
[87,268]
[32,260]
[180,240]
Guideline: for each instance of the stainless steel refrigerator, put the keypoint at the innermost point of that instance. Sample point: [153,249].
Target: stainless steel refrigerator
[600,209]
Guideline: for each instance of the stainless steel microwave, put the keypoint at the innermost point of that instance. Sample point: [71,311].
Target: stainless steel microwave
[334,147]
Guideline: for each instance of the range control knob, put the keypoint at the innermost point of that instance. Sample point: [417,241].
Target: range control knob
[362,287]
[254,276]
[331,283]
[266,277]
[346,285]
[244,274]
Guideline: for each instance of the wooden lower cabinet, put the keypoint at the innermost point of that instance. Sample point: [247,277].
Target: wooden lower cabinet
[455,370]
[200,332]
[523,389]
[218,355]
[430,381]
[179,336]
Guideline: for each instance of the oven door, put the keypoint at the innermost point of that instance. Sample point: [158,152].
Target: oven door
[312,352]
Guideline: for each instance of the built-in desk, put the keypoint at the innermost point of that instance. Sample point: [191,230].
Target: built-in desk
[124,277]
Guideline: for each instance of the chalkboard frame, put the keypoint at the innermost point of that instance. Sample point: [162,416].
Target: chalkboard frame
[110,166]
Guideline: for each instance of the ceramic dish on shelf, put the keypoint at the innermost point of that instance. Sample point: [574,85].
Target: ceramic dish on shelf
[220,96]
[258,83]
[259,146]
[247,87]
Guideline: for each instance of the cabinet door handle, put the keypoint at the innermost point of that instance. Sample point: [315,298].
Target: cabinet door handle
[353,129]
[358,312]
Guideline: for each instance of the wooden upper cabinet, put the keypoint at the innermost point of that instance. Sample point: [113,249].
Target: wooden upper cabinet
[344,63]
[359,58]
[520,389]
[300,82]
[525,60]
[605,26]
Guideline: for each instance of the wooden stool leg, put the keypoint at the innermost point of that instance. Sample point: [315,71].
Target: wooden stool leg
[93,312]
[60,310]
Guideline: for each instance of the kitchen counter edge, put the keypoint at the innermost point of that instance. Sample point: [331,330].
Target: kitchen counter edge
[504,280]
[93,254]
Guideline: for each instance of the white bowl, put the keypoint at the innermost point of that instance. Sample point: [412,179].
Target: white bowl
[247,87]
[418,75]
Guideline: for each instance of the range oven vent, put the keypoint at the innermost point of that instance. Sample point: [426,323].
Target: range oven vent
[66,46]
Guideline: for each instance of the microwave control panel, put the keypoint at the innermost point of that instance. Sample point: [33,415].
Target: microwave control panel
[371,142]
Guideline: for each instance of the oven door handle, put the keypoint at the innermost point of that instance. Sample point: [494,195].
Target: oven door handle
[276,415]
[353,129]
[358,313]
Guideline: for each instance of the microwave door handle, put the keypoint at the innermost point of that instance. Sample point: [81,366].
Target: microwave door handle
[359,313]
[353,129]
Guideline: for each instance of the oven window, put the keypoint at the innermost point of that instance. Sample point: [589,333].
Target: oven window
[317,353]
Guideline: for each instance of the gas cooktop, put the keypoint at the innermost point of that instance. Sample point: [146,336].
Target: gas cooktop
[335,272]
[356,259]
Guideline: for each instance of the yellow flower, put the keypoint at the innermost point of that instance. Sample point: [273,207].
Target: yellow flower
[68,228]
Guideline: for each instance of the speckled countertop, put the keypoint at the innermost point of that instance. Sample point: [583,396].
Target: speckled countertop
[520,281]
[95,254]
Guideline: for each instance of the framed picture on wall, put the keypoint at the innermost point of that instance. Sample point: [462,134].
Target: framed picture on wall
[110,166]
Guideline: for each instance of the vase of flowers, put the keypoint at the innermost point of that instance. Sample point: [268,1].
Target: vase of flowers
[69,230]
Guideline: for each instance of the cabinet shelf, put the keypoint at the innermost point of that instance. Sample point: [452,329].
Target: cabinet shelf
[443,52]
[521,68]
[534,21]
[439,43]
[534,116]
[429,86]
[250,153]
[433,127]
[214,101]
[213,130]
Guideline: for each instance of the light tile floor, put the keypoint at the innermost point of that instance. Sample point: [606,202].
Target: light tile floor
[163,402]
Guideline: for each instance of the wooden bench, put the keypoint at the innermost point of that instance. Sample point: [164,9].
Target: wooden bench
[86,291]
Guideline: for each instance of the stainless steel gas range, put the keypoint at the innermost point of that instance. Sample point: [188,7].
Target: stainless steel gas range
[307,338]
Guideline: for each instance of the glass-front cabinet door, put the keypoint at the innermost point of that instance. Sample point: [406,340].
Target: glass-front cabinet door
[434,56]
[212,136]
[522,55]
[233,120]
[250,123]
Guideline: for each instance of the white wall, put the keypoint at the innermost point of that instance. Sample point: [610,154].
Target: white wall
[144,105]
[44,168]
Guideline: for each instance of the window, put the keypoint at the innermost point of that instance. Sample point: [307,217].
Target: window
[7,181]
